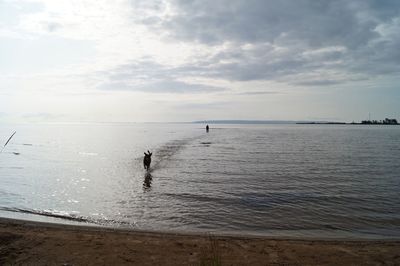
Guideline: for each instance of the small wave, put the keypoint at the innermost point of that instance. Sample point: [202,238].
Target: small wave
[61,215]
[168,150]
[67,216]
[205,144]
[103,221]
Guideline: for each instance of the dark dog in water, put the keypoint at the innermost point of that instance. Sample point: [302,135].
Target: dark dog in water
[147,160]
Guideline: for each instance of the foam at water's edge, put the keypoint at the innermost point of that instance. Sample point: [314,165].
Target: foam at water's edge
[65,216]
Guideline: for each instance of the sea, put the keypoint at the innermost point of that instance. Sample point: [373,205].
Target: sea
[275,180]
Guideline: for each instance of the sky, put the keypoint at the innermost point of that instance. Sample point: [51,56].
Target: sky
[182,60]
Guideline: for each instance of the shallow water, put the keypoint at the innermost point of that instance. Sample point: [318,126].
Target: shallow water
[275,180]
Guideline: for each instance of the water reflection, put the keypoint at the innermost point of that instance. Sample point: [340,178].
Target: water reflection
[147,180]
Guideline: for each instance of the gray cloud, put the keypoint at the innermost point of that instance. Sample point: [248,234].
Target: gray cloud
[320,82]
[317,23]
[304,42]
[148,76]
[52,26]
[162,86]
[258,92]
[283,36]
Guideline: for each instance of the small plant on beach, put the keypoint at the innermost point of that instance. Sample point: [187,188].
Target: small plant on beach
[210,254]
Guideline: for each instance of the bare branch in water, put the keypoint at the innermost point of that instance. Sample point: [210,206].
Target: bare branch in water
[8,141]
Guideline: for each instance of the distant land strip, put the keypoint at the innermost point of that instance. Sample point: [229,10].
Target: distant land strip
[259,122]
[246,122]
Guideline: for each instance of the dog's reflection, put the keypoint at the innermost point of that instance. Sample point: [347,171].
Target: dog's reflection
[147,180]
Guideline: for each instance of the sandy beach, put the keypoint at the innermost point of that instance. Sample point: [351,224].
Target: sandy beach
[34,243]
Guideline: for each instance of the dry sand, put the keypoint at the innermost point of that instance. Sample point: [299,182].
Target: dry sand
[33,243]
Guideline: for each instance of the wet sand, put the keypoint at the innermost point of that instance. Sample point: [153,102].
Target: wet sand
[34,243]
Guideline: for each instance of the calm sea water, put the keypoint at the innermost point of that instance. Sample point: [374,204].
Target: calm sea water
[275,180]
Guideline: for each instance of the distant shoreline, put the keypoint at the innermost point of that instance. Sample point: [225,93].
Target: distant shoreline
[322,123]
[342,123]
[285,122]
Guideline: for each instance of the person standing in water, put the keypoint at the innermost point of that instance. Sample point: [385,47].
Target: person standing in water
[207,128]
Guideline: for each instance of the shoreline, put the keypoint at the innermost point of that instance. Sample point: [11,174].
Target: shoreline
[78,225]
[30,242]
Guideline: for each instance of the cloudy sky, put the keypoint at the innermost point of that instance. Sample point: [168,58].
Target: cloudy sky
[172,60]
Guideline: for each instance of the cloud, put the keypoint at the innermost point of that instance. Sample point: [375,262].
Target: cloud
[163,86]
[167,45]
[53,26]
[322,23]
[203,106]
[148,76]
[40,115]
[320,82]
[275,40]
[259,93]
